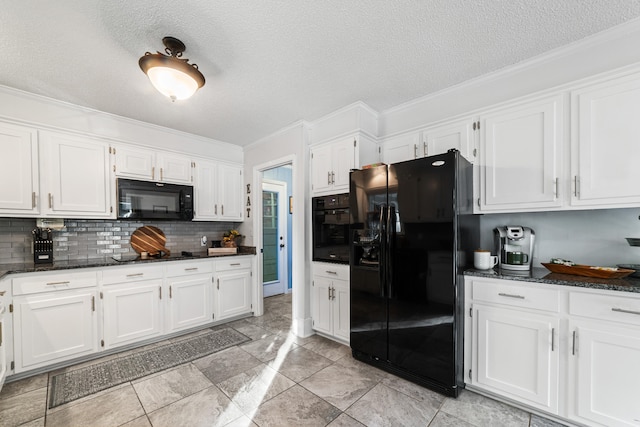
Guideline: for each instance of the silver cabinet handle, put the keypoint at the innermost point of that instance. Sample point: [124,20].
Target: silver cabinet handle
[215,209]
[333,177]
[555,187]
[622,310]
[33,199]
[170,293]
[333,293]
[573,344]
[415,151]
[576,185]
[511,296]
[553,335]
[328,177]
[425,149]
[191,269]
[153,172]
[222,209]
[331,272]
[135,275]
[50,201]
[329,292]
[235,263]
[66,282]
[161,174]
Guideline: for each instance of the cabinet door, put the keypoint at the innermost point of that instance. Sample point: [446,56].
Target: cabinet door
[520,152]
[76,176]
[604,374]
[190,302]
[341,322]
[174,168]
[401,148]
[516,355]
[321,305]
[18,170]
[134,162]
[343,160]
[53,327]
[605,148]
[458,135]
[233,294]
[206,190]
[321,168]
[3,348]
[230,192]
[132,312]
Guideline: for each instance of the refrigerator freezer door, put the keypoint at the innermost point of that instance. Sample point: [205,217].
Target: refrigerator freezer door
[368,202]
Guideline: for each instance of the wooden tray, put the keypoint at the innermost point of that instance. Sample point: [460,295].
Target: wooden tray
[149,239]
[587,271]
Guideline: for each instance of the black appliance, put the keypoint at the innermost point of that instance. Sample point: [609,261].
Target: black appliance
[141,200]
[42,246]
[331,228]
[412,233]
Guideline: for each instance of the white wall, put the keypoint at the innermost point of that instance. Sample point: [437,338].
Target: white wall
[289,144]
[592,237]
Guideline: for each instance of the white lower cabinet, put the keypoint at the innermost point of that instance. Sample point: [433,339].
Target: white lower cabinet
[53,327]
[132,312]
[233,288]
[330,300]
[566,351]
[517,355]
[3,347]
[190,302]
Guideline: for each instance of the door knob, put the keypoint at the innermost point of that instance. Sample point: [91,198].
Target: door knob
[281,245]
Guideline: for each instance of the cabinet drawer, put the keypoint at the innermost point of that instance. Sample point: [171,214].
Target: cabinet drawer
[516,295]
[183,268]
[333,271]
[37,283]
[233,264]
[132,273]
[617,308]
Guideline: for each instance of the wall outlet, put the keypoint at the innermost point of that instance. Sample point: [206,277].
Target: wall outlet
[203,241]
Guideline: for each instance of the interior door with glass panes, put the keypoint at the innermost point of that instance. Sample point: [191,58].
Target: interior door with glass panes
[274,237]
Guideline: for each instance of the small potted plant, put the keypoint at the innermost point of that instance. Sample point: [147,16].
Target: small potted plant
[229,238]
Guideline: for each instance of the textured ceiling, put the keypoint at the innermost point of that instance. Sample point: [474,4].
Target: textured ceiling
[268,64]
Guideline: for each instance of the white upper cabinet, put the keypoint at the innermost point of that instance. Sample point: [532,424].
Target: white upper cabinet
[218,191]
[520,156]
[458,134]
[75,179]
[18,171]
[401,148]
[174,168]
[331,163]
[606,143]
[150,165]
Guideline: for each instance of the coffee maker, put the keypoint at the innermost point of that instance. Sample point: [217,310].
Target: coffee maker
[514,246]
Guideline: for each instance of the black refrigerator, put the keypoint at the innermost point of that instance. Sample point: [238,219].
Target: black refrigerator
[412,233]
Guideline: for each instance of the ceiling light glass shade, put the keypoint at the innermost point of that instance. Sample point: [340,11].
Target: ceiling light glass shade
[171,75]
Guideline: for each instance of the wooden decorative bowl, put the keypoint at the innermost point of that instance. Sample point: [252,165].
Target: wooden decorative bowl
[587,271]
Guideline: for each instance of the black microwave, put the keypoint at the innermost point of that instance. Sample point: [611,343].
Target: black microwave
[141,200]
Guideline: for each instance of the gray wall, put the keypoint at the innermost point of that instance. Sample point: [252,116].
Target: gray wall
[592,237]
[84,239]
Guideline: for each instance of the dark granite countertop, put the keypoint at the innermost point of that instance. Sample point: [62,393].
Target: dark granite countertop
[542,275]
[30,267]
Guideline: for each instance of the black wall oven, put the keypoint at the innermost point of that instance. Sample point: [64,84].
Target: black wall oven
[154,200]
[331,228]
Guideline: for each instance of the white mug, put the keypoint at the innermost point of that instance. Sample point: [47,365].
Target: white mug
[483,260]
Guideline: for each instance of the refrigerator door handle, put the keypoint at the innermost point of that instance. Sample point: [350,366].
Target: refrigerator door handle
[382,271]
[390,230]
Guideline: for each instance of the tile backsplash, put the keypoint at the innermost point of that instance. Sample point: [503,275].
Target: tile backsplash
[84,239]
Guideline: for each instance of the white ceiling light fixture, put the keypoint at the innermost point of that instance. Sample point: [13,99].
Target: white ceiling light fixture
[171,75]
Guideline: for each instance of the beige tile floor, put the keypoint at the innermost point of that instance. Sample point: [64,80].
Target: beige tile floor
[274,380]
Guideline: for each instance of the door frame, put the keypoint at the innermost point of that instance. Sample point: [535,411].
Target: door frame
[281,285]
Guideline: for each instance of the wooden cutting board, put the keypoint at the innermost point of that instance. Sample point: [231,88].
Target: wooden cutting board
[149,239]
